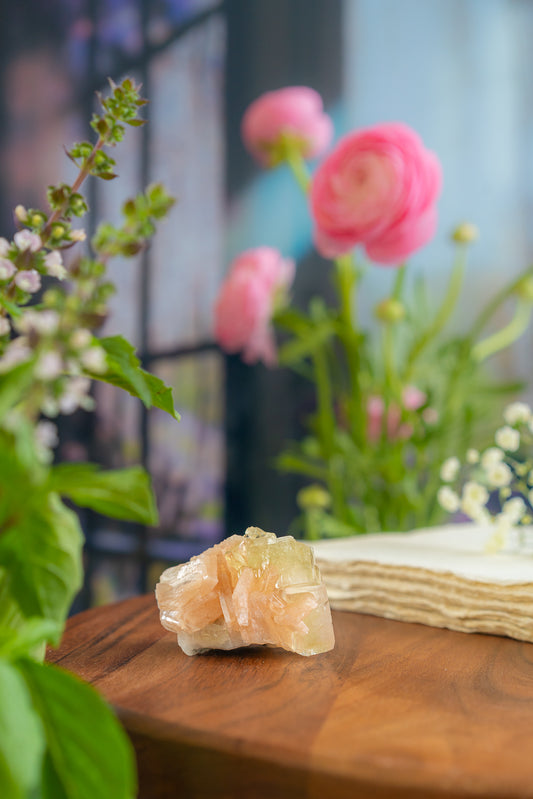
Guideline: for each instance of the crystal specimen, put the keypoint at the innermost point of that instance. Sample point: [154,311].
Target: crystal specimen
[251,589]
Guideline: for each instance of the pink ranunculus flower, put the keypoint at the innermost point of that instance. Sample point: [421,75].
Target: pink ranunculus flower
[295,112]
[257,282]
[378,188]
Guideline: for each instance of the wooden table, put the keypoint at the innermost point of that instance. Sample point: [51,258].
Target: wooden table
[396,710]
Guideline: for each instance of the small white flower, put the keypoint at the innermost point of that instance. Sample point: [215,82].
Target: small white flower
[4,247]
[475,492]
[7,269]
[46,434]
[448,499]
[472,456]
[517,413]
[49,366]
[44,322]
[28,280]
[498,475]
[54,265]
[475,510]
[21,213]
[17,351]
[491,456]
[514,509]
[450,469]
[94,360]
[78,235]
[81,339]
[5,327]
[26,240]
[75,396]
[507,438]
[50,407]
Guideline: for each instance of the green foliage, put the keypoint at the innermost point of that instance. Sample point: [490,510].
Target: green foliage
[121,494]
[58,739]
[124,370]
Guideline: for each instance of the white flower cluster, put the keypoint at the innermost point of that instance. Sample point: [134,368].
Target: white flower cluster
[494,473]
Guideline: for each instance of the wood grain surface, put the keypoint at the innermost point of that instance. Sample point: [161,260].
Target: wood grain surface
[395,710]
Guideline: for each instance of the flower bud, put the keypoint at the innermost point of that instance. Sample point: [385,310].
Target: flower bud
[20,213]
[524,289]
[465,233]
[390,311]
[28,280]
[313,496]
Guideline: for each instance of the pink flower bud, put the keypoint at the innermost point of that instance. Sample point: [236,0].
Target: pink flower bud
[377,188]
[295,113]
[28,280]
[54,265]
[257,282]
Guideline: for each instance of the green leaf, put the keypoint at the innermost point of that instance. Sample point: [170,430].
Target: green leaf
[122,493]
[13,385]
[31,634]
[22,741]
[124,371]
[41,553]
[89,755]
[293,351]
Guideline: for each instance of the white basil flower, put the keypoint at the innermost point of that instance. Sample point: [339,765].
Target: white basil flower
[7,269]
[54,265]
[49,366]
[26,240]
[28,280]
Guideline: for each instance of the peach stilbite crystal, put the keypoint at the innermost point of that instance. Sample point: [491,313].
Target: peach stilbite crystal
[251,589]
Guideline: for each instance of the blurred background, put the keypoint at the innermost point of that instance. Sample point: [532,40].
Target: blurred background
[459,71]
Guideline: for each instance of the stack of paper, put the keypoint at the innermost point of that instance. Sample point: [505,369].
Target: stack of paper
[440,576]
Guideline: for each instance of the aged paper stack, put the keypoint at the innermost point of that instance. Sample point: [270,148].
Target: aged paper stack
[441,576]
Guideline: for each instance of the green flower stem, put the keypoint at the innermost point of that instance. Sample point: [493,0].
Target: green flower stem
[506,336]
[488,312]
[347,282]
[298,168]
[82,175]
[391,377]
[444,312]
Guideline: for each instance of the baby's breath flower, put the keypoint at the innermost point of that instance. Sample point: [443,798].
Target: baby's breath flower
[472,456]
[475,510]
[491,456]
[28,280]
[514,509]
[448,499]
[498,475]
[517,412]
[26,240]
[450,469]
[507,438]
[475,492]
[7,269]
[54,265]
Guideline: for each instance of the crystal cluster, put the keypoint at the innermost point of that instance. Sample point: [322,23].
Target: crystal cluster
[247,590]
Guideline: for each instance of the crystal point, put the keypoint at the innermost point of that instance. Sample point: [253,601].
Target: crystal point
[248,590]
